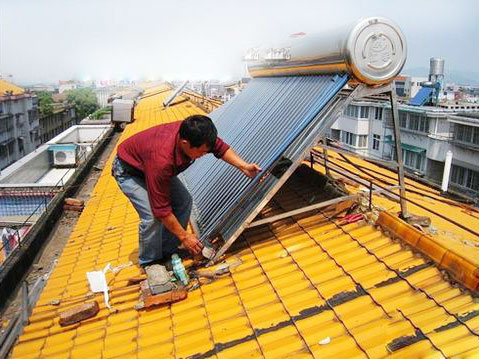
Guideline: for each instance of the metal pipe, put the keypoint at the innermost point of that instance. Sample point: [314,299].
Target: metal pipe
[325,154]
[387,190]
[357,155]
[397,142]
[25,306]
[176,93]
[372,50]
[370,195]
[303,210]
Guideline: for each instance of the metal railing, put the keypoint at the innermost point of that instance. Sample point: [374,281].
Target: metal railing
[374,184]
[205,103]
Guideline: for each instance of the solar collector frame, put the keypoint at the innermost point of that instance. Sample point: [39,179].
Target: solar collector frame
[270,118]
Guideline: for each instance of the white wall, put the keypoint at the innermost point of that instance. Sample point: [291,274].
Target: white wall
[415,85]
[353,125]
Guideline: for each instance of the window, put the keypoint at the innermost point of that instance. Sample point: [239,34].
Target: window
[21,147]
[402,119]
[424,124]
[387,115]
[348,138]
[413,160]
[418,123]
[364,113]
[378,113]
[335,134]
[31,116]
[400,91]
[413,122]
[467,134]
[354,140]
[3,152]
[465,177]
[376,139]
[10,123]
[352,111]
[362,141]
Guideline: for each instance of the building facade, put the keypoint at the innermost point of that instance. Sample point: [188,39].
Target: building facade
[427,134]
[66,86]
[19,124]
[63,117]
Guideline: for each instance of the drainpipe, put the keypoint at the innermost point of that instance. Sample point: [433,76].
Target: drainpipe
[447,171]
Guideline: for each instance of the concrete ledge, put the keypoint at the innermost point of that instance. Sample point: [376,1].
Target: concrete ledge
[18,263]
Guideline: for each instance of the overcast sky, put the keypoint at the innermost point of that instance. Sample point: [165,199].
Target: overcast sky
[48,40]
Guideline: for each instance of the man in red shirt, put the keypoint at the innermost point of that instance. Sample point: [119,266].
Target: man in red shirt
[146,169]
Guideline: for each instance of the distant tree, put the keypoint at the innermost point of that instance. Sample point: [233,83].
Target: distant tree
[45,103]
[83,100]
[98,114]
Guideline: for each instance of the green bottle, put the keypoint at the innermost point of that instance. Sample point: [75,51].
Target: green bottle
[179,269]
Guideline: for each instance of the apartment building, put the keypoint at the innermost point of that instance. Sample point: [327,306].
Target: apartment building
[63,117]
[427,134]
[19,124]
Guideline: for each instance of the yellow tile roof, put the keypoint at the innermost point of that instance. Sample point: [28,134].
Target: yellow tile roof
[448,234]
[7,86]
[303,287]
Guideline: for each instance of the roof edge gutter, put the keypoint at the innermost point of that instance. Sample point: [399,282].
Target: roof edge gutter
[462,269]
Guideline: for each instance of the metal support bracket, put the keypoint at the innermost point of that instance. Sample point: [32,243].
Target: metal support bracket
[362,91]
[303,210]
[330,115]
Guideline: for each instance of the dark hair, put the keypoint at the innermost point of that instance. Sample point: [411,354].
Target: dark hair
[199,130]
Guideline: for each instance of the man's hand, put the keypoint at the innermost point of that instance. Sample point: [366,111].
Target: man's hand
[191,243]
[251,169]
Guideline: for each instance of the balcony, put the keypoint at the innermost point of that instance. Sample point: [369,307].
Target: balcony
[6,135]
[464,144]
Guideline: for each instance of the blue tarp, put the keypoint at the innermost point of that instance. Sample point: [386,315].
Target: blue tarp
[422,96]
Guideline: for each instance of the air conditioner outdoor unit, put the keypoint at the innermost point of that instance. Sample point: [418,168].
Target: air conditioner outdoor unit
[64,155]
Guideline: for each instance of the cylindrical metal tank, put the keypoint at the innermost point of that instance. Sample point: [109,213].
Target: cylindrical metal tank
[436,66]
[372,50]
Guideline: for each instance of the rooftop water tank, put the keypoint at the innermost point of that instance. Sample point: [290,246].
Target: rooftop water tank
[372,50]
[436,66]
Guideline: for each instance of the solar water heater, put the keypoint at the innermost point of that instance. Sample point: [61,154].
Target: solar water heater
[291,101]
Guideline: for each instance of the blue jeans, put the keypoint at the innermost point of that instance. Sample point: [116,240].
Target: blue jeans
[156,242]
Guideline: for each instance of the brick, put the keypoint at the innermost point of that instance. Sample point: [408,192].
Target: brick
[147,299]
[74,202]
[67,207]
[79,313]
